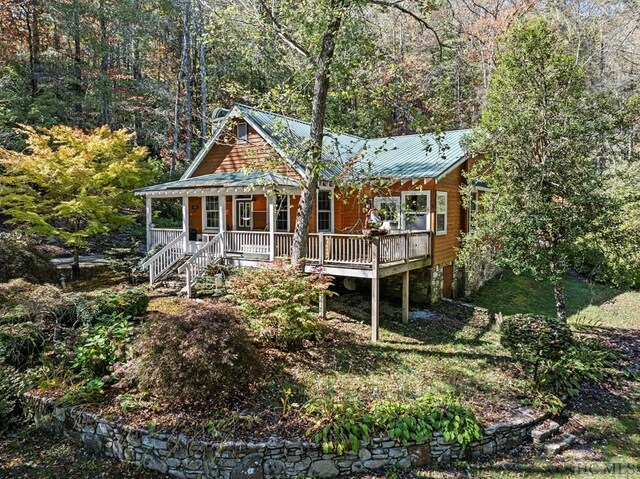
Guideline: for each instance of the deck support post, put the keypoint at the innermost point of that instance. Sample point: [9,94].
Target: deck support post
[405,297]
[185,223]
[149,220]
[322,308]
[272,226]
[375,290]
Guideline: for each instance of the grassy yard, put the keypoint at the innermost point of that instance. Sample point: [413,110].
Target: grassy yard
[587,303]
[450,350]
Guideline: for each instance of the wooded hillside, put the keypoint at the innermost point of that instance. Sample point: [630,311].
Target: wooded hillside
[160,67]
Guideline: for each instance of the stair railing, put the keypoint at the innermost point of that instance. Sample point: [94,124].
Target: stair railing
[195,266]
[166,258]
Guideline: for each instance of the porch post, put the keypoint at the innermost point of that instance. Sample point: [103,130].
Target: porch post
[185,222]
[222,204]
[272,227]
[405,297]
[149,214]
[222,208]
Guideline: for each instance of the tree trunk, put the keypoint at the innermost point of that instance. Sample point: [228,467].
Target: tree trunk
[77,60]
[75,267]
[33,30]
[558,293]
[203,76]
[187,76]
[314,153]
[104,63]
[176,118]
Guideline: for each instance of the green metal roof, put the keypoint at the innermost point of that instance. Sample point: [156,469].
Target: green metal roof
[224,180]
[427,155]
[411,156]
[404,157]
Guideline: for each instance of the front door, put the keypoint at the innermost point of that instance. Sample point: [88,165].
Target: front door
[195,217]
[243,214]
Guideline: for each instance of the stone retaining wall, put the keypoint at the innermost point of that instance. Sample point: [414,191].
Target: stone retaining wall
[182,457]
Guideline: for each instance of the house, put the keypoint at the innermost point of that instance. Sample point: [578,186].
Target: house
[240,197]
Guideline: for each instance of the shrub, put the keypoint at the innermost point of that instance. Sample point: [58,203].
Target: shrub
[584,361]
[22,301]
[132,303]
[20,342]
[21,259]
[13,384]
[341,426]
[558,362]
[532,339]
[202,354]
[279,303]
[87,392]
[99,346]
[126,261]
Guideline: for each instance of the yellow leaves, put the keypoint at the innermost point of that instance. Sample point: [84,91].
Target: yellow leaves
[72,184]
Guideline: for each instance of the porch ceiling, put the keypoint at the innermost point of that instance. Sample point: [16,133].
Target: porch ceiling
[223,183]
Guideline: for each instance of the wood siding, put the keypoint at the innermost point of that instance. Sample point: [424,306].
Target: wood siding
[348,209]
[444,246]
[226,156]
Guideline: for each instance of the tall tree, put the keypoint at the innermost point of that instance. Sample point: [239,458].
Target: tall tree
[541,138]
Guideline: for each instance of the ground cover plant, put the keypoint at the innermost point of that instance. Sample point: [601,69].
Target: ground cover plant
[448,372]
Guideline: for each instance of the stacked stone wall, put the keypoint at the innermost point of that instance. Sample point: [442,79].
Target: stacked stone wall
[187,458]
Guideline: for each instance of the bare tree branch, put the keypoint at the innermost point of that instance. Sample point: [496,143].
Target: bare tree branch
[280,31]
[397,4]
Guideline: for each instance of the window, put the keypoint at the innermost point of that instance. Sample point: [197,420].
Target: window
[473,211]
[212,212]
[441,212]
[241,133]
[416,210]
[389,208]
[282,213]
[324,210]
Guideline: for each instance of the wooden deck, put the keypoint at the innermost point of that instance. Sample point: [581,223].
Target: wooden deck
[345,255]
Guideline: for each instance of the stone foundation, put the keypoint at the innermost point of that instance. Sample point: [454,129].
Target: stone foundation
[188,458]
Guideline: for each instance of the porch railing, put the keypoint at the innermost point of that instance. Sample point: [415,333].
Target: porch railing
[163,235]
[210,253]
[166,258]
[339,250]
[254,242]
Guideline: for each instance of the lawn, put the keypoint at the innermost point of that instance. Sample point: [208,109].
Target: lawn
[450,351]
[454,351]
[587,303]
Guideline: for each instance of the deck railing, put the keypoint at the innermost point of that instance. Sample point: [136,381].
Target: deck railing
[324,249]
[163,235]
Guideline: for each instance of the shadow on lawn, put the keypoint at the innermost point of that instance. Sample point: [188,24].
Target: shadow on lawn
[509,294]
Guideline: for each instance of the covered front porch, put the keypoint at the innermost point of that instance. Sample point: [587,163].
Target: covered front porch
[249,226]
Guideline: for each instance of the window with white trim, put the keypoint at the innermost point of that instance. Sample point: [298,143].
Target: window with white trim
[416,210]
[389,208]
[441,212]
[473,211]
[282,213]
[212,212]
[242,133]
[324,210]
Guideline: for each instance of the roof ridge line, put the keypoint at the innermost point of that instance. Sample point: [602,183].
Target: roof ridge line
[298,120]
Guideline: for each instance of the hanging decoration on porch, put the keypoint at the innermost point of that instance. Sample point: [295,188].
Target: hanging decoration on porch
[373,223]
